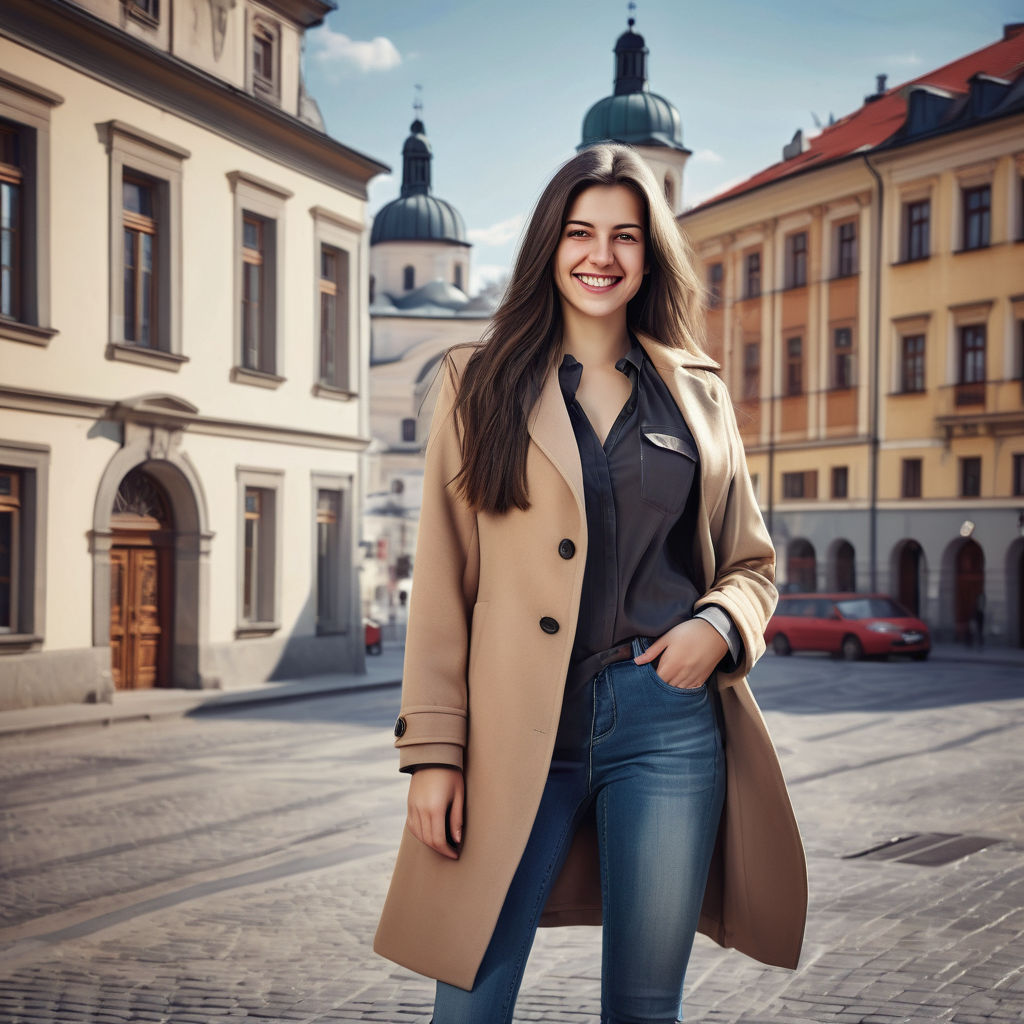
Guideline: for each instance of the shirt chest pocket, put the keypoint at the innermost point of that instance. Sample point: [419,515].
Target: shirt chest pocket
[668,460]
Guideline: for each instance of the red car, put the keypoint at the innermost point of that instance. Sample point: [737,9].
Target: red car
[373,636]
[850,625]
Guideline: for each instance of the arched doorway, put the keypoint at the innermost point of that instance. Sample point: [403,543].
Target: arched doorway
[801,565]
[1015,592]
[969,586]
[844,573]
[909,570]
[141,583]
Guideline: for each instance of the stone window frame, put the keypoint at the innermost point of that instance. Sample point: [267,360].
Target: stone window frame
[29,106]
[975,176]
[133,150]
[919,191]
[345,235]
[267,201]
[33,463]
[345,570]
[903,327]
[270,481]
[261,87]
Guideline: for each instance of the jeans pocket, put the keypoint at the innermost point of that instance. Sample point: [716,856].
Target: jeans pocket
[684,691]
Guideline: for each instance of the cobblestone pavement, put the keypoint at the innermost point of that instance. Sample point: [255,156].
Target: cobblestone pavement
[231,865]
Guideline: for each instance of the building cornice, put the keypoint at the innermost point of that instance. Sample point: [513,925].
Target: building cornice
[170,411]
[66,32]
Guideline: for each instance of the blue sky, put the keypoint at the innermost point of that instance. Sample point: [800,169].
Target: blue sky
[505,85]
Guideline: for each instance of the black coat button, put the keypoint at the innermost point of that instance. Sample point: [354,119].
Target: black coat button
[566,548]
[400,727]
[549,625]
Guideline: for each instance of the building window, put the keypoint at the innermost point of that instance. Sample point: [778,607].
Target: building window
[840,481]
[971,381]
[800,485]
[409,429]
[752,370]
[970,477]
[259,550]
[328,528]
[141,240]
[1018,474]
[25,210]
[409,278]
[146,257]
[266,54]
[11,222]
[10,548]
[917,221]
[847,249]
[670,192]
[24,470]
[259,215]
[752,275]
[256,351]
[842,358]
[912,363]
[977,204]
[145,10]
[911,478]
[373,289]
[334,316]
[796,260]
[715,277]
[794,366]
[458,276]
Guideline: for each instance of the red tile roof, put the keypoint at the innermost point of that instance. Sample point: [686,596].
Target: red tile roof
[879,119]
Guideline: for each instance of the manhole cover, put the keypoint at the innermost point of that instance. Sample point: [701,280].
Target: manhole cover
[926,848]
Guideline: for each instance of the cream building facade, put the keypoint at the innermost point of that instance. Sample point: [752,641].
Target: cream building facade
[867,305]
[184,350]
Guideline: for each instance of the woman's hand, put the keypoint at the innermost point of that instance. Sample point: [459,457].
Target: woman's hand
[689,653]
[434,795]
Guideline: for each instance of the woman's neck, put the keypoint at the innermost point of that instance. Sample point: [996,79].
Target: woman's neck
[595,341]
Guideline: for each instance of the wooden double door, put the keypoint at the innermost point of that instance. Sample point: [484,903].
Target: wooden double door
[141,578]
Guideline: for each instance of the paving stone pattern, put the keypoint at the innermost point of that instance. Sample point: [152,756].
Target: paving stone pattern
[231,866]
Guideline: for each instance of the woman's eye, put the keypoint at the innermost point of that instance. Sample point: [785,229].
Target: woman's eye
[576,233]
[627,236]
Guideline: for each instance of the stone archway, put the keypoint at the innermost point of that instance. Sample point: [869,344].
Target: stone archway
[152,446]
[1015,592]
[801,565]
[907,569]
[962,583]
[842,572]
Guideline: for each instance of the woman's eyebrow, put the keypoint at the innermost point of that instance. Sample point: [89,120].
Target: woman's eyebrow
[616,227]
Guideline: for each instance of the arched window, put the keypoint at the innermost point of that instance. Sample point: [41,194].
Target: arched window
[670,191]
[458,276]
[373,288]
[409,278]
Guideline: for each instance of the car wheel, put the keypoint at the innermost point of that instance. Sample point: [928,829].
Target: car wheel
[780,645]
[851,649]
[920,655]
[373,649]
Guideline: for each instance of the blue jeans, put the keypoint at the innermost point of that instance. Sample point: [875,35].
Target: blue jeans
[653,771]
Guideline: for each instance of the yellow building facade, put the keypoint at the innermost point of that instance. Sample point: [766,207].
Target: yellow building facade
[867,304]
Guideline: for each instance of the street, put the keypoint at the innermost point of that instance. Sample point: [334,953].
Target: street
[231,864]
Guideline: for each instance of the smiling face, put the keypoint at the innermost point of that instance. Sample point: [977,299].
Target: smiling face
[599,262]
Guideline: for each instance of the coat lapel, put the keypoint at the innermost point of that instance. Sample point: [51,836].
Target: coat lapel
[551,430]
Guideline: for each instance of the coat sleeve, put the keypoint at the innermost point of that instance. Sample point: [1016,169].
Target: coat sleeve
[433,718]
[744,580]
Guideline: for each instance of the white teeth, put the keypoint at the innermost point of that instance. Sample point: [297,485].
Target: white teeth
[597,282]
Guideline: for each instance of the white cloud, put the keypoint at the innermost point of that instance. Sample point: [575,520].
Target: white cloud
[484,274]
[707,156]
[378,54]
[503,232]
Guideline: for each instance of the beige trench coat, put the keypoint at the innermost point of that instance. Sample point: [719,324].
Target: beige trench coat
[483,686]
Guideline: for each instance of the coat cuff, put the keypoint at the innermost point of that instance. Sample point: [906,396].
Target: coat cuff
[722,621]
[432,755]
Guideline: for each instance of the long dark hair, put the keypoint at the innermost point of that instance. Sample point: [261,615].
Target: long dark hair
[503,379]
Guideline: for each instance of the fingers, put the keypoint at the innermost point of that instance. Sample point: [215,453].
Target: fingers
[652,652]
[431,793]
[455,818]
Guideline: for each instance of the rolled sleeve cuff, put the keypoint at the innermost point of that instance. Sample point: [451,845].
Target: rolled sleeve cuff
[430,735]
[430,755]
[722,621]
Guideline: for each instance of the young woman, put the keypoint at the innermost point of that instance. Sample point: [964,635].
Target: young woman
[592,583]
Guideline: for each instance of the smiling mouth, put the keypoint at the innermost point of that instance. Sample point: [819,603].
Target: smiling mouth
[597,282]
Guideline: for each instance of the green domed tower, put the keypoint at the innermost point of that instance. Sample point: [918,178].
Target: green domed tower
[640,118]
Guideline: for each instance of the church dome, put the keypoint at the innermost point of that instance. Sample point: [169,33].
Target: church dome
[633,114]
[418,216]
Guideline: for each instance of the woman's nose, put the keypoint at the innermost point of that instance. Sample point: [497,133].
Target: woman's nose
[601,253]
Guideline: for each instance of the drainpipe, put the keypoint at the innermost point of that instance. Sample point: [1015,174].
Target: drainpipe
[876,300]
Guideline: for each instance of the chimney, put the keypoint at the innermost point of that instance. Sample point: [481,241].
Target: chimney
[1013,29]
[879,89]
